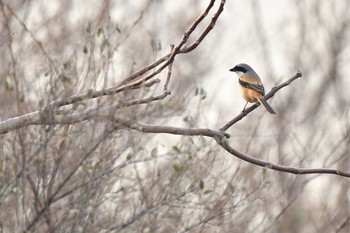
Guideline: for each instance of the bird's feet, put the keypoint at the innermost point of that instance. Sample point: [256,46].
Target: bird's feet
[244,112]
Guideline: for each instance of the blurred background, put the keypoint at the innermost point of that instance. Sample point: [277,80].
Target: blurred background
[83,178]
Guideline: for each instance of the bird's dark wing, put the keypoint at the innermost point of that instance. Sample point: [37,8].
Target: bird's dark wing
[256,87]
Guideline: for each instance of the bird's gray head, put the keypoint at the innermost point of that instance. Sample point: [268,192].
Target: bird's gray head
[242,69]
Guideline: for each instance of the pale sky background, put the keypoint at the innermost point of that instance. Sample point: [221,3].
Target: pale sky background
[236,38]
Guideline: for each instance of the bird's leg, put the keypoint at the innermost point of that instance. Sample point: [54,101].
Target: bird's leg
[244,108]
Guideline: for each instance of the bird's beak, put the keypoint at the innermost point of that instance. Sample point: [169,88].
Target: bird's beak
[233,69]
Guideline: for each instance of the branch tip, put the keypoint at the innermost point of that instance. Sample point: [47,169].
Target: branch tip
[299,74]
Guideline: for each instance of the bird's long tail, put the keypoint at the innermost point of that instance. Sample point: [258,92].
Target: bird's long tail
[267,106]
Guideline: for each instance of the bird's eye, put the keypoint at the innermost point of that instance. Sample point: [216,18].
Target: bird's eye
[241,69]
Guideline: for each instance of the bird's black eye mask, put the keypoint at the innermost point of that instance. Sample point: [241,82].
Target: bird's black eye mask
[238,68]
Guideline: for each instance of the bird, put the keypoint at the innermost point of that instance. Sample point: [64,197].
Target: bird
[251,87]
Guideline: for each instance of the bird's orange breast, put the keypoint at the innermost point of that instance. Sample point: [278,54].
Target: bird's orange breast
[250,95]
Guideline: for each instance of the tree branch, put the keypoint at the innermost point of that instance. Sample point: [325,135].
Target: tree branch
[207,29]
[144,128]
[277,167]
[50,116]
[219,137]
[64,118]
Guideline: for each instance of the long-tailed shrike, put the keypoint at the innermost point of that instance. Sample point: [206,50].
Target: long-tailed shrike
[251,87]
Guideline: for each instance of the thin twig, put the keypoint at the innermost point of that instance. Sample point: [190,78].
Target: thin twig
[8,37]
[31,34]
[209,27]
[170,68]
